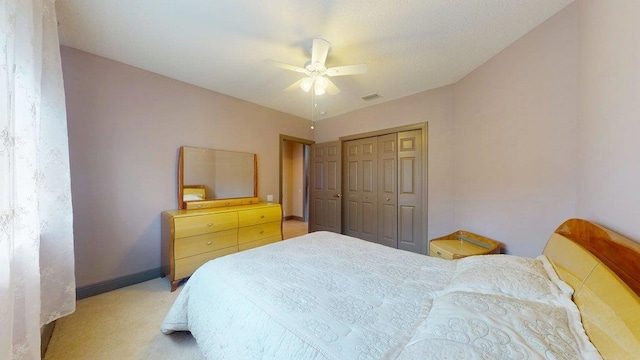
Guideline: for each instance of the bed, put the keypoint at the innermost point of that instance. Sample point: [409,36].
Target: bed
[330,296]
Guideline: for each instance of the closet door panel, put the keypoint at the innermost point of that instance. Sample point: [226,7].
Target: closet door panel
[388,225]
[352,177]
[388,177]
[369,212]
[361,188]
[410,178]
[333,181]
[387,190]
[407,171]
[352,223]
[352,190]
[407,225]
[368,174]
[333,221]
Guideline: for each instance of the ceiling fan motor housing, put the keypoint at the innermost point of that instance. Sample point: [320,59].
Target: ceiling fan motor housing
[315,68]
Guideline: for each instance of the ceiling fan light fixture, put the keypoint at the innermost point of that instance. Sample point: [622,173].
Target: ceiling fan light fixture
[306,84]
[320,86]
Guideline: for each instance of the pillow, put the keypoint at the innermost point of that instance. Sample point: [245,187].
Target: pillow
[192,197]
[464,325]
[520,277]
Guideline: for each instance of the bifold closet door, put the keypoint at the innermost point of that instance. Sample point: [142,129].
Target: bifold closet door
[360,188]
[410,179]
[383,186]
[388,190]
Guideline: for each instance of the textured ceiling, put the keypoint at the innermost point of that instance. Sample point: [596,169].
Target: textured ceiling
[410,46]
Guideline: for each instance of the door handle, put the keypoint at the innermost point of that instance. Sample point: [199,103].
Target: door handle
[337,195]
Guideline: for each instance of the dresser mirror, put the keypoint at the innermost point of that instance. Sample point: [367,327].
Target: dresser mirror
[208,175]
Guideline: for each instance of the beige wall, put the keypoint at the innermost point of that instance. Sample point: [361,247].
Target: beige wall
[609,128]
[125,128]
[515,130]
[556,115]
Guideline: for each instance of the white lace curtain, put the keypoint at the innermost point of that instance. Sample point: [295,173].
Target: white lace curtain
[37,282]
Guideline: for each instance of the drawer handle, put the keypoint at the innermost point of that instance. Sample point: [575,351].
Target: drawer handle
[261,216]
[438,252]
[209,243]
[261,231]
[210,224]
[227,203]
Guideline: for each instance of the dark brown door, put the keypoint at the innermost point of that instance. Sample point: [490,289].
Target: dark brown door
[360,188]
[410,186]
[325,208]
[388,190]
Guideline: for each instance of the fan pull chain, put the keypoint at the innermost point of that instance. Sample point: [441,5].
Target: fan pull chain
[313,109]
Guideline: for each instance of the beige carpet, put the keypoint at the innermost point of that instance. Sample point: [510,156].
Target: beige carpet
[293,228]
[125,324]
[122,324]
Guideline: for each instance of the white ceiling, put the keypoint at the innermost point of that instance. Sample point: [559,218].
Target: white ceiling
[410,45]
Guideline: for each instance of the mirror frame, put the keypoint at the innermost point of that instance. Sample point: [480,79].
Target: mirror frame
[209,203]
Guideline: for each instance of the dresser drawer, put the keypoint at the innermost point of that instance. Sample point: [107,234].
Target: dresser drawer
[436,251]
[454,249]
[259,216]
[209,204]
[202,224]
[186,266]
[193,245]
[253,244]
[257,232]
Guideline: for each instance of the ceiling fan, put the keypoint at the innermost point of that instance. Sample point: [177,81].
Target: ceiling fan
[317,72]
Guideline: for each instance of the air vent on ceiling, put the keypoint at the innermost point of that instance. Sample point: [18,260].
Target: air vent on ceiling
[371,97]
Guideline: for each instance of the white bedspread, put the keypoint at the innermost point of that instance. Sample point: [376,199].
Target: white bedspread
[329,296]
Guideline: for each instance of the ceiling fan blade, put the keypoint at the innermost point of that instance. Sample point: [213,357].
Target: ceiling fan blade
[294,86]
[347,70]
[288,67]
[332,89]
[319,52]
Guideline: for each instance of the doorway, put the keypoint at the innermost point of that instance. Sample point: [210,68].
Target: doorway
[294,184]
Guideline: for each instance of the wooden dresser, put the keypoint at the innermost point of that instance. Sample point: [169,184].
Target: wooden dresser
[192,237]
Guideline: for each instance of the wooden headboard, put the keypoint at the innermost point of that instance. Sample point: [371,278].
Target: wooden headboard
[619,253]
[603,268]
